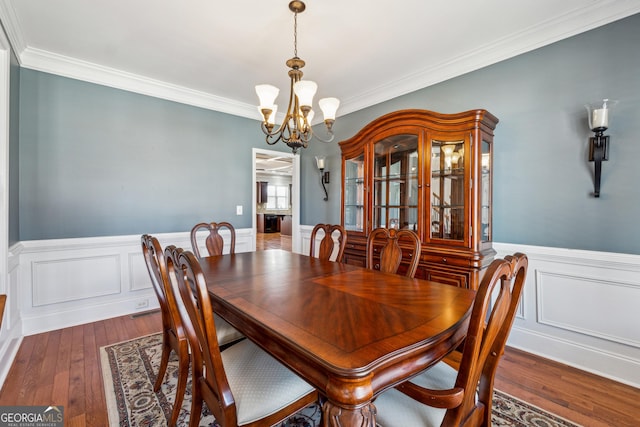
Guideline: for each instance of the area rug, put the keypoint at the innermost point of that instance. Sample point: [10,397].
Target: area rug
[129,369]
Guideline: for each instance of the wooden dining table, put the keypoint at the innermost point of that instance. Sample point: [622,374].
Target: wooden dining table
[351,332]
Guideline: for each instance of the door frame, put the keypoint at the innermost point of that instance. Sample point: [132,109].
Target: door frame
[295,196]
[5,84]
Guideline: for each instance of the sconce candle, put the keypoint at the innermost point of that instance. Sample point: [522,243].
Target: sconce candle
[600,118]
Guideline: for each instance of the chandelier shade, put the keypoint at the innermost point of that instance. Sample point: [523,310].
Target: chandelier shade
[295,129]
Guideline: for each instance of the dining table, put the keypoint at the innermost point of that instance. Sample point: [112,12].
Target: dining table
[349,331]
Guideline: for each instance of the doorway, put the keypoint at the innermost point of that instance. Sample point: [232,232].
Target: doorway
[276,200]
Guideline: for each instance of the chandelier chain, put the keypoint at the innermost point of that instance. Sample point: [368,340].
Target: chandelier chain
[295,34]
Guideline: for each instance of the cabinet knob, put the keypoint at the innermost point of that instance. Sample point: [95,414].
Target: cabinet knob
[444,260]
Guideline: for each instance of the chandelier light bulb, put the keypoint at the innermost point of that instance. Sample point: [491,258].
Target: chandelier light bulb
[267,95]
[329,106]
[305,90]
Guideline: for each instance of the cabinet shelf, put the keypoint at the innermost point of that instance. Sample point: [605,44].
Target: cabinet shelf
[453,173]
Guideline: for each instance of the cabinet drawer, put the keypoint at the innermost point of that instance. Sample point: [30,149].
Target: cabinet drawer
[450,278]
[445,260]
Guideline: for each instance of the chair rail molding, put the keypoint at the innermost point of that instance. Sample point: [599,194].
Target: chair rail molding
[67,282]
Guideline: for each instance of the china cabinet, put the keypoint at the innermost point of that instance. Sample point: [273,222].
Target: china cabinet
[430,173]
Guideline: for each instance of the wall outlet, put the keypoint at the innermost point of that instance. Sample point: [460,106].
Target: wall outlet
[239,210]
[143,303]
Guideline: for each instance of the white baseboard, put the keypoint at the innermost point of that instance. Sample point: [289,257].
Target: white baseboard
[8,351]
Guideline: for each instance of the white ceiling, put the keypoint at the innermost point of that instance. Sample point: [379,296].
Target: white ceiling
[212,53]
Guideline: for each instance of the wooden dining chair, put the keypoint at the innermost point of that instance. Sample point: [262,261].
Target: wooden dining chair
[242,385]
[174,338]
[444,396]
[214,241]
[3,302]
[390,252]
[327,249]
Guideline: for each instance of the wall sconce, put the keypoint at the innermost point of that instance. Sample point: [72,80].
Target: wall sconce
[324,176]
[599,143]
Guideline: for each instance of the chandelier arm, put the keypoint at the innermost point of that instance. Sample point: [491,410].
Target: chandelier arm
[331,137]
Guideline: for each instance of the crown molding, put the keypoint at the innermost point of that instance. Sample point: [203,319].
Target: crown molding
[48,62]
[12,27]
[564,26]
[571,23]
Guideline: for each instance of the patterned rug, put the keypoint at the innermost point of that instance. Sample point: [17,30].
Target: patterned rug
[129,368]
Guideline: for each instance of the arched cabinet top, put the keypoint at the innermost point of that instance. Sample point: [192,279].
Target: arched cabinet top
[466,120]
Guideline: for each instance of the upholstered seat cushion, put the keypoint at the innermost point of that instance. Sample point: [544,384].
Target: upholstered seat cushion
[226,333]
[395,409]
[260,384]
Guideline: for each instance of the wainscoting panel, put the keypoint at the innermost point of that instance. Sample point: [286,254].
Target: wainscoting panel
[591,298]
[138,272]
[66,280]
[580,308]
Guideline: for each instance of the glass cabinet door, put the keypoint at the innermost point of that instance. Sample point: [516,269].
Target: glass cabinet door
[354,194]
[447,190]
[485,195]
[395,182]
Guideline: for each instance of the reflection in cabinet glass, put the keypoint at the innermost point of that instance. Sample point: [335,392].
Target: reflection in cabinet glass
[354,194]
[395,181]
[485,196]
[447,190]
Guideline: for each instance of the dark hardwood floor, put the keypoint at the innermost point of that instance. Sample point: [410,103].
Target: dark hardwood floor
[62,367]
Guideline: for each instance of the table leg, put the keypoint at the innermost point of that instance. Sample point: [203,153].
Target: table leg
[336,416]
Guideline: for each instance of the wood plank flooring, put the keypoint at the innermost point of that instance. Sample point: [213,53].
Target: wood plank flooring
[62,367]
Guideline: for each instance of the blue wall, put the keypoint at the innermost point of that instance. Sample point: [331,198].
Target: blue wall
[542,179]
[100,161]
[96,161]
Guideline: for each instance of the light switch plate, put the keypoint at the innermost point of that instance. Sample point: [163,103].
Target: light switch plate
[239,210]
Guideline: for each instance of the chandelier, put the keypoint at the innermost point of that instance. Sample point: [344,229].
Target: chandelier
[295,130]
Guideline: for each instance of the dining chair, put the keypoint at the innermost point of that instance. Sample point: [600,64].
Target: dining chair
[391,252]
[327,249]
[174,337]
[214,241]
[444,396]
[3,302]
[242,385]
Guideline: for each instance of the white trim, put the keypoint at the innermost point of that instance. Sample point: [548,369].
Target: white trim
[579,20]
[5,87]
[10,337]
[53,63]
